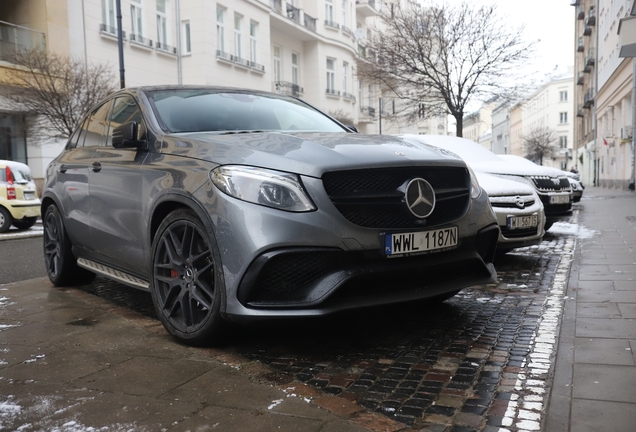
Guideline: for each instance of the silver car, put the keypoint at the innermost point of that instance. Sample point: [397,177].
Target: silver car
[234,205]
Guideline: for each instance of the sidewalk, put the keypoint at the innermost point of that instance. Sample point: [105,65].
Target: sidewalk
[71,362]
[595,373]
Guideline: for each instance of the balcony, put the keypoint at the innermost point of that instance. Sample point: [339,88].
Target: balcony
[331,24]
[580,78]
[332,92]
[140,40]
[366,8]
[348,31]
[587,31]
[580,46]
[239,61]
[591,17]
[107,30]
[579,111]
[165,48]
[588,99]
[292,20]
[17,38]
[626,133]
[590,58]
[289,89]
[367,111]
[349,97]
[580,12]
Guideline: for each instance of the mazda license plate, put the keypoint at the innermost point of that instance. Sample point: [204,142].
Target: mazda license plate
[419,242]
[520,222]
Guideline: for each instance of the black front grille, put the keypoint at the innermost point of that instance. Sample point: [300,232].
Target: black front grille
[550,184]
[374,198]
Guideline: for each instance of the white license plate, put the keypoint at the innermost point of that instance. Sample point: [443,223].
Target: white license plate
[29,195]
[419,242]
[520,222]
[559,199]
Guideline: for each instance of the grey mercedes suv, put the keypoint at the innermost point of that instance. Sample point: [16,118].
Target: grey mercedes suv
[234,205]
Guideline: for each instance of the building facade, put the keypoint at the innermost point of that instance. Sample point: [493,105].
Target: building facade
[303,48]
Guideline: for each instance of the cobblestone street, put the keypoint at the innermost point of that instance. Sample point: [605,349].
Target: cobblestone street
[480,361]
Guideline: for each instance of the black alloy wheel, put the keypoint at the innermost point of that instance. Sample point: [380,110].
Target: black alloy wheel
[186,282]
[61,265]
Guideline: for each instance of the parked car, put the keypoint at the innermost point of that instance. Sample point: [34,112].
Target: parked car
[19,202]
[554,190]
[233,205]
[573,178]
[518,209]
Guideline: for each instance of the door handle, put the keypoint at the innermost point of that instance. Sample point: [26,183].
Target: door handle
[62,169]
[96,167]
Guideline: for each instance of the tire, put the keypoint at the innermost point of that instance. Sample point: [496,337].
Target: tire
[61,265]
[25,224]
[548,225]
[5,220]
[187,284]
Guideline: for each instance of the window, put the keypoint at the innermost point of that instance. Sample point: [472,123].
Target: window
[220,29]
[344,12]
[277,63]
[108,16]
[295,79]
[345,67]
[563,96]
[162,24]
[237,35]
[253,44]
[563,117]
[136,19]
[331,76]
[187,42]
[563,142]
[329,10]
[96,131]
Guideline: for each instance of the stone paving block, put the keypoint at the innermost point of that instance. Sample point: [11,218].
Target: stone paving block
[595,416]
[627,310]
[603,351]
[145,376]
[625,285]
[597,310]
[604,382]
[36,333]
[606,328]
[600,296]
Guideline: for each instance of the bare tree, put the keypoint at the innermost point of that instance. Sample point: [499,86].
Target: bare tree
[55,90]
[435,54]
[342,116]
[539,144]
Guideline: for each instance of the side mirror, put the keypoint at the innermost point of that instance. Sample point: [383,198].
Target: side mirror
[352,128]
[126,136]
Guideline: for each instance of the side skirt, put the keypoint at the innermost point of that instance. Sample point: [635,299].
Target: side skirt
[112,273]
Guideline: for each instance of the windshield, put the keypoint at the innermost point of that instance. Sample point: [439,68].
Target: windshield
[204,110]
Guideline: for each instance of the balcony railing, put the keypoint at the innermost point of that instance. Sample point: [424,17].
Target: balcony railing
[231,58]
[287,88]
[588,99]
[587,31]
[110,31]
[591,17]
[590,57]
[140,40]
[332,92]
[310,22]
[162,46]
[293,13]
[348,31]
[580,46]
[332,24]
[349,96]
[579,111]
[580,78]
[17,38]
[367,111]
[580,12]
[277,5]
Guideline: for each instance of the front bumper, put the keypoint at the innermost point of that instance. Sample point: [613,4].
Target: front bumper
[282,264]
[515,238]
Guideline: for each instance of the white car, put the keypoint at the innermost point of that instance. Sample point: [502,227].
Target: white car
[554,190]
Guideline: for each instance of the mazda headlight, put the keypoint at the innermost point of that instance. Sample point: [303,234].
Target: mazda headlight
[475,189]
[269,188]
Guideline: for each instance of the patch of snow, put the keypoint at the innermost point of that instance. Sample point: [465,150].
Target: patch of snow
[275,403]
[577,230]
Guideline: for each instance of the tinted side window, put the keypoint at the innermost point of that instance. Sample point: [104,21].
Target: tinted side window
[124,110]
[97,126]
[74,140]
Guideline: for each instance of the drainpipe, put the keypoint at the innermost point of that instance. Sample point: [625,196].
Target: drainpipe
[120,46]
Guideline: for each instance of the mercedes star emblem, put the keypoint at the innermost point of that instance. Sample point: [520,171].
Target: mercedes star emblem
[420,198]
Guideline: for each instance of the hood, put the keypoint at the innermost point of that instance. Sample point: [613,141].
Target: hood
[306,153]
[506,168]
[497,187]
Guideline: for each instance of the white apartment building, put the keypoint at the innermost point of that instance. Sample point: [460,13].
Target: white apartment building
[304,48]
[551,107]
[501,129]
[614,98]
[478,124]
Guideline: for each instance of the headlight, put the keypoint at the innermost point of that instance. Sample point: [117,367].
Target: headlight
[475,189]
[269,188]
